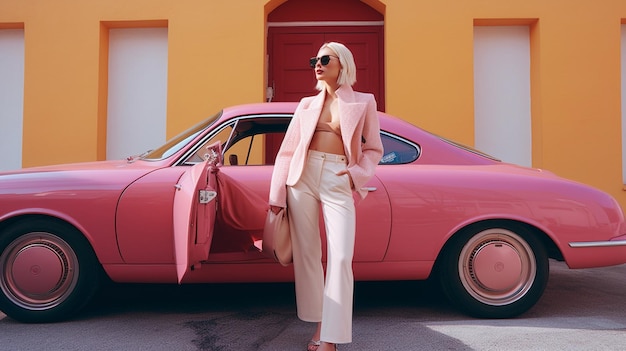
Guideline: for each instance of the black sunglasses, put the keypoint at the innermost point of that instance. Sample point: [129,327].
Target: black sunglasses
[323,59]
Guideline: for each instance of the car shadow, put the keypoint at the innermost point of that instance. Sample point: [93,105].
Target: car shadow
[263,316]
[194,298]
[569,293]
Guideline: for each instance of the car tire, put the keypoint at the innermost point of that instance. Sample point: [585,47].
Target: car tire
[48,271]
[494,270]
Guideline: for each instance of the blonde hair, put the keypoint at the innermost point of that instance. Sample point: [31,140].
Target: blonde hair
[347,74]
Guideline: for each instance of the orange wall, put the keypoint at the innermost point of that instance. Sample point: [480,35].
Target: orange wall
[575,77]
[217,58]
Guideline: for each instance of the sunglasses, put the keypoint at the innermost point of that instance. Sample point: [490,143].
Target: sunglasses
[323,59]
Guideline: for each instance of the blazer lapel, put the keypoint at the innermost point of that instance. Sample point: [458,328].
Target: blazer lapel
[350,112]
[309,116]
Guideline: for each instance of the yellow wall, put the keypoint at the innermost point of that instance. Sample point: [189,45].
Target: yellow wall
[575,77]
[217,58]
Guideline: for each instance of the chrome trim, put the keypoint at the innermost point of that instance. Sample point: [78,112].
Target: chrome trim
[205,196]
[587,244]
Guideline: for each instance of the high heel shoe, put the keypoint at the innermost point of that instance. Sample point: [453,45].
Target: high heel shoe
[335,345]
[313,345]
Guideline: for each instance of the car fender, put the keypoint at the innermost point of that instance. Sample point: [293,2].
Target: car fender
[514,220]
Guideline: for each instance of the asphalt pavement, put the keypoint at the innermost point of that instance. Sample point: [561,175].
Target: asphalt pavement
[580,310]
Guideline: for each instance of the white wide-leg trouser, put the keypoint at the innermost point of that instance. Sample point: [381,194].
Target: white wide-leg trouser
[330,302]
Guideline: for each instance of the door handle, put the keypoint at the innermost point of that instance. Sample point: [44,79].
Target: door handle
[369,188]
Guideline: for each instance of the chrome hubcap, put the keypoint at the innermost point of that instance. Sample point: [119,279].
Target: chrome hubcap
[497,267]
[39,271]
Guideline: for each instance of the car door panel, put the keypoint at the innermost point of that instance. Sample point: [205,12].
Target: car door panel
[193,217]
[373,223]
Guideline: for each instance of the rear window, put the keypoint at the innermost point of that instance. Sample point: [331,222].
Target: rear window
[397,150]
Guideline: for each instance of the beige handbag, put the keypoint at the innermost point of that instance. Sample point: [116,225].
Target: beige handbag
[276,237]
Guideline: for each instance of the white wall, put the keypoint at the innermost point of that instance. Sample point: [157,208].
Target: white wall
[502,118]
[137,95]
[11,98]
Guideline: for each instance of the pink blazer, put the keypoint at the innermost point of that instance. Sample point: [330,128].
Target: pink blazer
[360,131]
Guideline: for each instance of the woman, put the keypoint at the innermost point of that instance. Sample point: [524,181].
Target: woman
[331,148]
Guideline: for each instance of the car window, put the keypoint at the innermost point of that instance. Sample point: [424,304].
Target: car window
[249,140]
[257,143]
[397,150]
[255,140]
[248,150]
[222,136]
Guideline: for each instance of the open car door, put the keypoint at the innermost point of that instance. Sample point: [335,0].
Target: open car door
[195,204]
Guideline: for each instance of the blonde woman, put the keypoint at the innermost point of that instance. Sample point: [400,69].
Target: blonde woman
[330,150]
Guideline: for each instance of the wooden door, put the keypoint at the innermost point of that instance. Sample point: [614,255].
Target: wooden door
[289,75]
[289,50]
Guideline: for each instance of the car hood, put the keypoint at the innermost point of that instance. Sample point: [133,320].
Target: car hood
[109,175]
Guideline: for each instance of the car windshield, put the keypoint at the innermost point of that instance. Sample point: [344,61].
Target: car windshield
[179,141]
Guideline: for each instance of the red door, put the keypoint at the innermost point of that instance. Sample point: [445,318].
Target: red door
[290,48]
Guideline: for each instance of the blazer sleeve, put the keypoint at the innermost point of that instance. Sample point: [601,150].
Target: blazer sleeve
[371,148]
[278,187]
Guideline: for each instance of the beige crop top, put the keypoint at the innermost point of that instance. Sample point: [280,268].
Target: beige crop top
[328,127]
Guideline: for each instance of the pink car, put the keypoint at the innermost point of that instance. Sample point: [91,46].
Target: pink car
[189,213]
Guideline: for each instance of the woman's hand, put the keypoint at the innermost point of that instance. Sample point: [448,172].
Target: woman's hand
[345,171]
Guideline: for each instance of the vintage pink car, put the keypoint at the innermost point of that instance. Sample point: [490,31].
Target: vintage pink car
[188,213]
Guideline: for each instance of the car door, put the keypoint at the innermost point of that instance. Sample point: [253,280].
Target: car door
[245,146]
[373,213]
[194,216]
